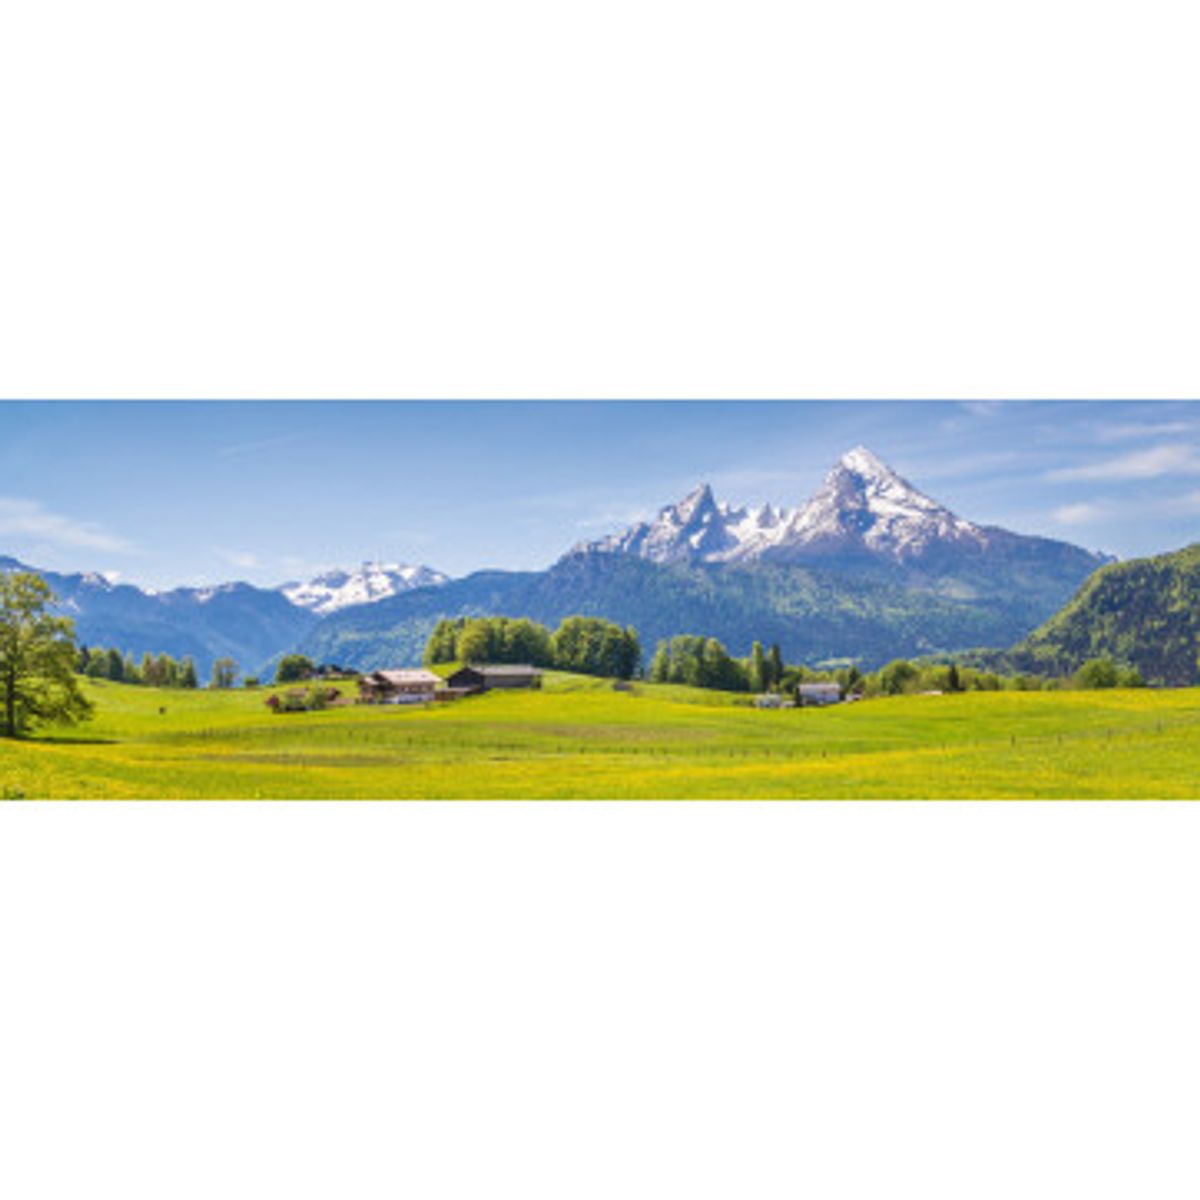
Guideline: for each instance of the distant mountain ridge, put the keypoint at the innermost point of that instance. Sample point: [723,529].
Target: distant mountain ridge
[249,624]
[337,589]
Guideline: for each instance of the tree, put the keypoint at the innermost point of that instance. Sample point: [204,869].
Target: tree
[897,677]
[774,666]
[758,668]
[38,658]
[474,642]
[293,667]
[115,665]
[187,674]
[630,659]
[224,673]
[953,682]
[1097,673]
[660,664]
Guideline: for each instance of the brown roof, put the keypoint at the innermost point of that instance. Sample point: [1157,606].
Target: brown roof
[502,669]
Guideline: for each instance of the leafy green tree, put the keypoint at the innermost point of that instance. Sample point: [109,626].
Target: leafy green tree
[953,681]
[224,673]
[898,677]
[758,668]
[38,657]
[187,674]
[293,668]
[474,642]
[1097,673]
[97,664]
[167,671]
[130,671]
[251,681]
[114,665]
[630,657]
[660,664]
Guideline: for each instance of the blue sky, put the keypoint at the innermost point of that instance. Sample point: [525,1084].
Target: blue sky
[165,493]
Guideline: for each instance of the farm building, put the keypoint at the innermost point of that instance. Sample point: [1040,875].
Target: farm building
[485,677]
[768,700]
[808,694]
[398,687]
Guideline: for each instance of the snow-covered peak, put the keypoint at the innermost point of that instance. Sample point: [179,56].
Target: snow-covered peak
[695,527]
[368,583]
[862,462]
[863,505]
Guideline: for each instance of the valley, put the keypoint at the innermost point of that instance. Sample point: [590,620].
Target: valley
[579,739]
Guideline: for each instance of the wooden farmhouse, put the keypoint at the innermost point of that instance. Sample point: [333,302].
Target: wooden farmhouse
[808,694]
[484,677]
[398,687]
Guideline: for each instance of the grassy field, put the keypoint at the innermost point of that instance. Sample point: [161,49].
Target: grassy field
[578,738]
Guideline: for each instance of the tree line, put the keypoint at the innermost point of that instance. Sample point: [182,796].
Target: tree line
[585,645]
[154,670]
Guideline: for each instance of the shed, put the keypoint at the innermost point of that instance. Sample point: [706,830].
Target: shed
[398,687]
[485,676]
[808,694]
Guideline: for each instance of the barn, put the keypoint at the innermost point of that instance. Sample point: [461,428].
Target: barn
[809,694]
[398,687]
[485,677]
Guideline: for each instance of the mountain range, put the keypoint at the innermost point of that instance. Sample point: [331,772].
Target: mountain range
[868,569]
[863,510]
[249,624]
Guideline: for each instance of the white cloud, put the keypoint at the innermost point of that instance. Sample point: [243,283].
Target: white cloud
[1179,459]
[31,518]
[1185,505]
[1141,429]
[982,408]
[241,558]
[1079,514]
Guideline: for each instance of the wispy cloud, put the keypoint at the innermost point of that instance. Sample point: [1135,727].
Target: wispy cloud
[1079,514]
[243,559]
[31,518]
[982,408]
[1178,459]
[1133,430]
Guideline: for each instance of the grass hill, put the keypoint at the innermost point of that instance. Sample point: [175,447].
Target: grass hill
[873,613]
[577,738]
[1145,612]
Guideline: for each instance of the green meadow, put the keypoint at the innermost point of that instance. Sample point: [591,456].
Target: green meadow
[580,739]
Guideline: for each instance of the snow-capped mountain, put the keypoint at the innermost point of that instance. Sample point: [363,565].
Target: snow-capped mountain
[371,582]
[863,506]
